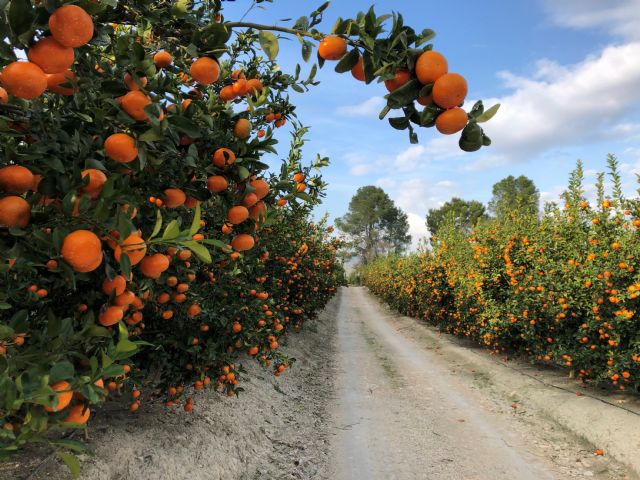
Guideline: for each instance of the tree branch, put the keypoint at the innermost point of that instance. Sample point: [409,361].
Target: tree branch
[275,28]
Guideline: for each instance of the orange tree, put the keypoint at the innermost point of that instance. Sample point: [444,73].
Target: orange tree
[144,244]
[562,289]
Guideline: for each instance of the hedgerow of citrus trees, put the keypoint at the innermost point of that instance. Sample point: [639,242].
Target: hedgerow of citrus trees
[563,289]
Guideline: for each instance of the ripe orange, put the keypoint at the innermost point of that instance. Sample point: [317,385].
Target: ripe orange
[50,56]
[261,188]
[71,26]
[237,214]
[431,66]
[358,70]
[131,83]
[254,86]
[449,90]
[153,265]
[242,242]
[14,212]
[205,70]
[4,96]
[401,77]
[134,102]
[242,129]
[56,82]
[117,285]
[124,299]
[332,47]
[250,200]
[111,316]
[134,247]
[163,59]
[16,179]
[257,210]
[174,197]
[121,148]
[82,250]
[451,121]
[193,310]
[217,183]
[63,395]
[223,157]
[240,87]
[78,414]
[299,177]
[24,80]
[96,180]
[227,94]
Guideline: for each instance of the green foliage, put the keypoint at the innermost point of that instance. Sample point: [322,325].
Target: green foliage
[462,213]
[511,194]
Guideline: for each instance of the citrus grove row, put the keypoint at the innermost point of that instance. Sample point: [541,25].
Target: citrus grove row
[563,289]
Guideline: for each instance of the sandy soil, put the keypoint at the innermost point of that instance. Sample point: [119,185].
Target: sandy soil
[373,395]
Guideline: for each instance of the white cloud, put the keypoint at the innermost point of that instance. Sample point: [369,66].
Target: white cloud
[361,169]
[368,108]
[417,229]
[620,17]
[561,106]
[419,194]
[407,159]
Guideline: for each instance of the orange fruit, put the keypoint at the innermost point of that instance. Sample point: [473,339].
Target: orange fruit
[299,177]
[132,84]
[134,247]
[50,56]
[14,212]
[242,129]
[217,183]
[24,80]
[16,179]
[163,59]
[281,202]
[358,70]
[451,121]
[96,180]
[134,102]
[430,66]
[254,86]
[121,148]
[261,188]
[193,310]
[240,87]
[78,414]
[227,94]
[63,395]
[111,316]
[153,265]
[191,202]
[223,157]
[237,214]
[401,77]
[4,96]
[117,285]
[205,70]
[332,47]
[174,197]
[56,82]
[449,90]
[250,200]
[124,299]
[82,250]
[71,26]
[257,210]
[242,242]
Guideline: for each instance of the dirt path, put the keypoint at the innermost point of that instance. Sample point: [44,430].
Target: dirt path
[403,413]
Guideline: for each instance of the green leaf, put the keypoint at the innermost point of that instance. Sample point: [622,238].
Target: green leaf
[405,94]
[200,250]
[150,135]
[20,16]
[185,125]
[348,61]
[72,462]
[171,231]
[243,173]
[269,43]
[61,371]
[195,224]
[158,225]
[73,445]
[488,114]
[216,243]
[399,123]
[124,345]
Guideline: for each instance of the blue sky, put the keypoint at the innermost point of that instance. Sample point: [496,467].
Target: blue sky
[567,73]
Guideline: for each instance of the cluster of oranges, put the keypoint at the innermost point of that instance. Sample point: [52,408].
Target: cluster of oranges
[508,286]
[448,92]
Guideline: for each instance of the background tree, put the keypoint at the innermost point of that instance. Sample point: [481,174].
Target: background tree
[514,193]
[464,213]
[374,225]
